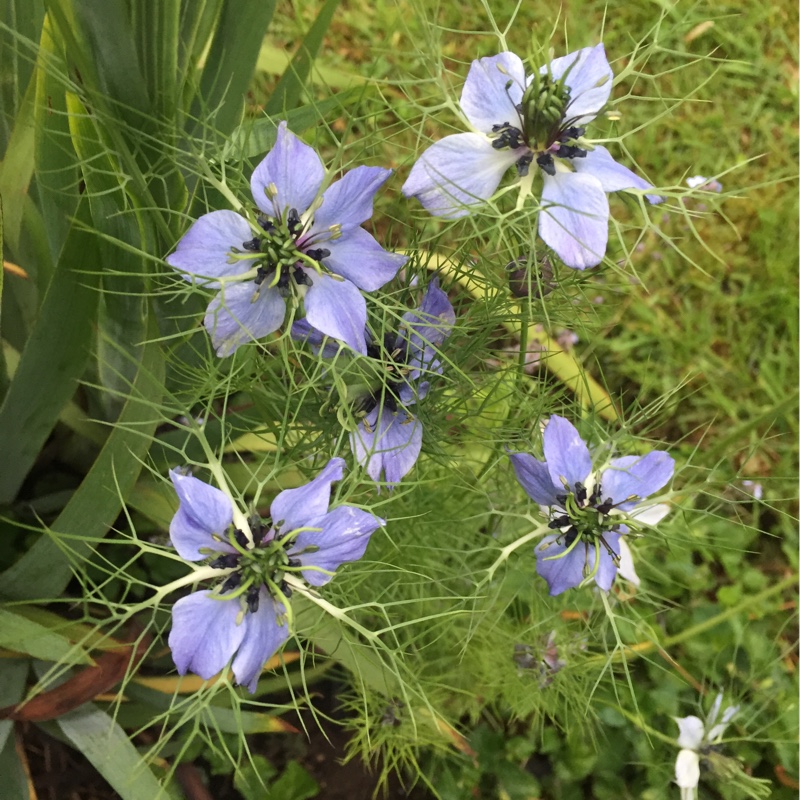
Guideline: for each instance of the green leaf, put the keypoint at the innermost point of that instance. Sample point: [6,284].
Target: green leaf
[12,690]
[52,362]
[251,778]
[111,752]
[231,60]
[294,784]
[254,137]
[287,93]
[26,636]
[15,781]
[45,570]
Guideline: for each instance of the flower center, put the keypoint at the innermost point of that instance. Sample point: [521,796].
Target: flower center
[582,517]
[279,261]
[543,109]
[264,564]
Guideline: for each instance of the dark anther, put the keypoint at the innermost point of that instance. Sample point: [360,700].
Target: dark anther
[570,151]
[283,280]
[293,562]
[318,253]
[580,492]
[570,536]
[266,223]
[286,589]
[545,161]
[606,506]
[293,221]
[571,133]
[262,274]
[301,278]
[510,137]
[252,599]
[231,582]
[225,562]
[241,539]
[254,245]
[558,522]
[523,164]
[561,499]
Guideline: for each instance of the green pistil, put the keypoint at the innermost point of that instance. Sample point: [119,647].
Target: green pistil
[544,106]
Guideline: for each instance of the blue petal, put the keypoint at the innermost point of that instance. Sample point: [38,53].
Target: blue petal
[535,479]
[565,453]
[295,170]
[574,218]
[335,307]
[233,318]
[306,505]
[344,537]
[263,636]
[428,327]
[485,100]
[359,258]
[391,445]
[634,475]
[589,80]
[202,520]
[613,177]
[458,172]
[567,572]
[204,633]
[349,201]
[323,345]
[206,247]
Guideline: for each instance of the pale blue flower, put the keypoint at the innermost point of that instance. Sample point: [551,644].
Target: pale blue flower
[244,618]
[306,244]
[520,121]
[589,509]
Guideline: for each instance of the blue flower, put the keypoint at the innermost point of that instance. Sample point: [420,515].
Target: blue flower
[388,438]
[589,509]
[304,245]
[520,120]
[245,616]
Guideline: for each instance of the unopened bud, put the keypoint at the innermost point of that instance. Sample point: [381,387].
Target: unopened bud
[541,281]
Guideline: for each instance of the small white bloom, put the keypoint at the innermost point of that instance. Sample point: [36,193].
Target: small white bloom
[695,738]
[701,182]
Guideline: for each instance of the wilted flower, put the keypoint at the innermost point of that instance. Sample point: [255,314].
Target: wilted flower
[519,120]
[591,510]
[388,438]
[245,617]
[305,245]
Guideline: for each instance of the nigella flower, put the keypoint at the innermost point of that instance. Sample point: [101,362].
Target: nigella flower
[388,437]
[591,511]
[696,740]
[524,120]
[245,617]
[304,246]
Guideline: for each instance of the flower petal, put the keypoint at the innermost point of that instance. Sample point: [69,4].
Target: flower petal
[574,218]
[296,171]
[589,80]
[687,769]
[204,633]
[650,515]
[262,638]
[613,177]
[233,318]
[485,100]
[567,572]
[348,201]
[458,172]
[344,537]
[626,568]
[691,732]
[359,258]
[206,247]
[565,453]
[303,331]
[306,505]
[426,329]
[635,476]
[335,307]
[390,446]
[204,512]
[534,477]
